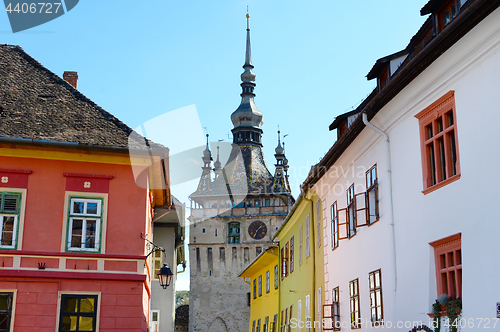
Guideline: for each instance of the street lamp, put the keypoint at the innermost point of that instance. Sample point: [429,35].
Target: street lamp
[165,276]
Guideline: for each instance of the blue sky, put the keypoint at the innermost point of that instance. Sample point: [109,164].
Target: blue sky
[142,59]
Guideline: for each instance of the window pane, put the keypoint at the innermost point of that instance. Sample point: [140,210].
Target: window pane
[78,207]
[4,322]
[90,234]
[92,208]
[5,302]
[450,259]
[87,305]
[86,323]
[155,316]
[8,230]
[442,159]
[70,305]
[439,125]
[377,279]
[372,281]
[449,119]
[69,323]
[446,17]
[453,151]
[76,233]
[444,279]
[428,130]
[459,257]
[432,163]
[443,261]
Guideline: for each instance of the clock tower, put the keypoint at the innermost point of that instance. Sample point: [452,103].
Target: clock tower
[235,212]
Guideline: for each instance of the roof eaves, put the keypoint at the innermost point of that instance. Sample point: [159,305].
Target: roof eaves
[76,145]
[256,259]
[462,24]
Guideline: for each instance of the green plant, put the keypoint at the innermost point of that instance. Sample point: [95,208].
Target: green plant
[436,309]
[453,311]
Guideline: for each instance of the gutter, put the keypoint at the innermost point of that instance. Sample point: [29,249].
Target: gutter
[394,275]
[74,145]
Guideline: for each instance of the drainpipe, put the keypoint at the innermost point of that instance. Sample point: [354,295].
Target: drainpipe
[313,253]
[394,275]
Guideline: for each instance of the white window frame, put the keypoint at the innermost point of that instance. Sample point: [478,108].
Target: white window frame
[85,217]
[308,228]
[155,259]
[318,221]
[300,245]
[154,326]
[308,313]
[299,316]
[17,215]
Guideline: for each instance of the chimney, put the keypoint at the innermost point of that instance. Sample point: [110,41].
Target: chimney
[71,77]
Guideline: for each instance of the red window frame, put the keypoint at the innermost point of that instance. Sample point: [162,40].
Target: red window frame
[439,143]
[291,253]
[448,261]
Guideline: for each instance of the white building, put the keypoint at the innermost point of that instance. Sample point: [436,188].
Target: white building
[168,233]
[426,173]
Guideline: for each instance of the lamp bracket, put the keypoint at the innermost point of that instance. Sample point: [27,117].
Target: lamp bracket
[155,247]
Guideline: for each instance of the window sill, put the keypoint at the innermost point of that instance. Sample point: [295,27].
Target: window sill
[441,184]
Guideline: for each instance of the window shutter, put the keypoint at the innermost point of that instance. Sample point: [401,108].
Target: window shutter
[342,222]
[327,317]
[10,203]
[361,211]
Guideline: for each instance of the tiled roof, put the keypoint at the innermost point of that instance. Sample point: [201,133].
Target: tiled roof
[37,104]
[245,173]
[182,315]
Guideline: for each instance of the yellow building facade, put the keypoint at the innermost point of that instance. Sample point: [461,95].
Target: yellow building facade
[263,275]
[301,253]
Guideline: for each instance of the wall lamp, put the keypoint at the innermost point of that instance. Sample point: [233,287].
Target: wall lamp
[165,274]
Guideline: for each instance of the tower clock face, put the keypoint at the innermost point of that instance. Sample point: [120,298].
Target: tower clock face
[257,230]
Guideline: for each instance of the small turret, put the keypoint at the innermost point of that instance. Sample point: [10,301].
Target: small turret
[280,183]
[217,165]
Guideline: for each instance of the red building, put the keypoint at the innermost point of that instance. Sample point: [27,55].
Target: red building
[72,211]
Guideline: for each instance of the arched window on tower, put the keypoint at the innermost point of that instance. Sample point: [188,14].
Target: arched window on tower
[234,232]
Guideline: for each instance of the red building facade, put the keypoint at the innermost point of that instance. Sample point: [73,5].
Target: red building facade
[73,211]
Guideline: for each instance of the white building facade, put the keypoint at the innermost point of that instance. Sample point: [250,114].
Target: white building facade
[423,181]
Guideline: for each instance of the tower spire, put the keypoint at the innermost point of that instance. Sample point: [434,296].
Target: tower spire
[247,119]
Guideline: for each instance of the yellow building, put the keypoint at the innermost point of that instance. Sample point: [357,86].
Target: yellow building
[301,238]
[263,274]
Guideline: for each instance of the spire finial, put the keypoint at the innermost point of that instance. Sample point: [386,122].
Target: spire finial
[248,55]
